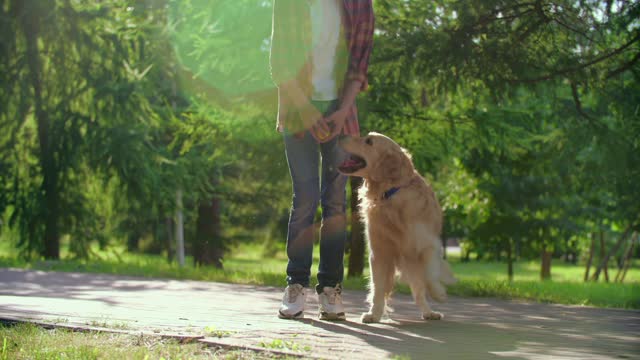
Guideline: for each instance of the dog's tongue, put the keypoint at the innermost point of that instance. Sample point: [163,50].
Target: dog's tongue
[349,163]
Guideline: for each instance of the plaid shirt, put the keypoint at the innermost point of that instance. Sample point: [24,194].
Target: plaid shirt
[291,51]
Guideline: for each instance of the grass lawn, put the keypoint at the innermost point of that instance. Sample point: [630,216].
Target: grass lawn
[27,341]
[566,286]
[247,264]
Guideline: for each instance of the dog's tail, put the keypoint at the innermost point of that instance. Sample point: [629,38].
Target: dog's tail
[446,275]
[438,275]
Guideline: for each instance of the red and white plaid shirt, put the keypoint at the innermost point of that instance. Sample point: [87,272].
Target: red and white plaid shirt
[291,52]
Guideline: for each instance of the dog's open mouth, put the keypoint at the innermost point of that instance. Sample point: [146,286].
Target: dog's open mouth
[352,164]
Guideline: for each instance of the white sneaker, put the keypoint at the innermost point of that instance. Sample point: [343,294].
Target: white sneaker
[293,302]
[330,304]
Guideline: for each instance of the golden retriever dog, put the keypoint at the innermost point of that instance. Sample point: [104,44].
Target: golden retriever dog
[403,222]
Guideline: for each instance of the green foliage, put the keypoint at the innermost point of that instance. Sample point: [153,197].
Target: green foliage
[89,110]
[500,43]
[127,120]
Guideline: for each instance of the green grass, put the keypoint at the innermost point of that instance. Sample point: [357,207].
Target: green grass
[27,341]
[288,345]
[248,264]
[530,270]
[572,293]
[489,279]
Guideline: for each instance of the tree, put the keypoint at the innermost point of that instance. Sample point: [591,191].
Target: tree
[67,66]
[97,80]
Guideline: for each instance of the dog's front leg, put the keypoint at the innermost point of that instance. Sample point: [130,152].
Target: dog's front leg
[377,289]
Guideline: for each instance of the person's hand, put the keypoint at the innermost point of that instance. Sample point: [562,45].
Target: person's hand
[336,121]
[312,120]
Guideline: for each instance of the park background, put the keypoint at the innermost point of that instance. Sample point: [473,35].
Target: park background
[129,126]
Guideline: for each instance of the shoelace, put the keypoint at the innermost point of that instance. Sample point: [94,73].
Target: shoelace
[294,291]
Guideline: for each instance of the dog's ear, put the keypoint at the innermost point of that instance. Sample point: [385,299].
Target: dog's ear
[391,166]
[407,163]
[407,154]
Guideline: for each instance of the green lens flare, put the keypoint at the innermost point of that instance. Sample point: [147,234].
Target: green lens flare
[222,46]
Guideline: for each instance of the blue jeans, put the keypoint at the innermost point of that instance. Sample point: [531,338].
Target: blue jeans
[309,191]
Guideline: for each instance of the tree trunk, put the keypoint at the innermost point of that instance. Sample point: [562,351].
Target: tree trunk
[545,268]
[30,24]
[169,244]
[616,247]
[180,229]
[509,261]
[465,254]
[133,240]
[590,258]
[356,256]
[627,260]
[602,255]
[208,248]
[443,238]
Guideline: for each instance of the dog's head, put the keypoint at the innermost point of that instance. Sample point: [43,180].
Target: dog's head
[377,158]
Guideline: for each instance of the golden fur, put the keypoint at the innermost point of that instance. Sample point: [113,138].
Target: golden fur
[402,230]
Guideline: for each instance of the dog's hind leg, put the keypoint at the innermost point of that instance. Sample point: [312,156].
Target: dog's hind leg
[390,280]
[418,284]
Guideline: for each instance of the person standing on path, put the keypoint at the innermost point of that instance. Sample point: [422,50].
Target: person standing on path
[319,58]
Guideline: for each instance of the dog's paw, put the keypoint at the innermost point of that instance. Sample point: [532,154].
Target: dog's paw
[368,318]
[434,315]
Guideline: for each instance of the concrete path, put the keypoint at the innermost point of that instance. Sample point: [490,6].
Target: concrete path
[245,316]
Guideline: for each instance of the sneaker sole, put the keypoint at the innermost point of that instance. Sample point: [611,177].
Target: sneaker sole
[298,315]
[332,317]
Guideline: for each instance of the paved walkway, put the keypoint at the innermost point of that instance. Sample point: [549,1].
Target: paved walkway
[473,328]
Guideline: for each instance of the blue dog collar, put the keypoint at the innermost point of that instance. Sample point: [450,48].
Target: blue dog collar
[389,193]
